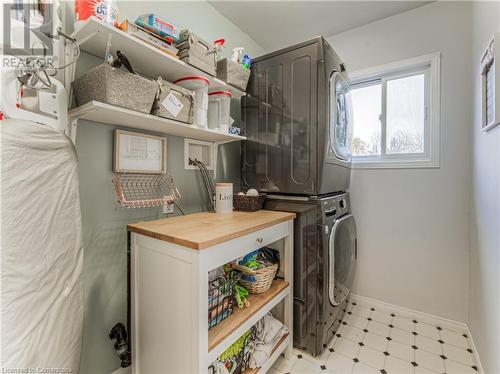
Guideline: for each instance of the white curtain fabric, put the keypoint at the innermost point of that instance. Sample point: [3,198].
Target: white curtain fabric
[41,250]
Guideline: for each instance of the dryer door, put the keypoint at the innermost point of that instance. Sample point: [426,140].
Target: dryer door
[342,258]
[340,131]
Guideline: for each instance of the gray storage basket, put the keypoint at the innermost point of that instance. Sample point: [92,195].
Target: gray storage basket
[197,52]
[185,96]
[117,87]
[233,73]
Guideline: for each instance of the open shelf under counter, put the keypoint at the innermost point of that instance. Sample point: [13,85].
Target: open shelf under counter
[228,331]
[108,114]
[94,36]
[275,353]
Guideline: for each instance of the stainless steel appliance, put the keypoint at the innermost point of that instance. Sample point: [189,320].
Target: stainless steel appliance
[296,116]
[325,251]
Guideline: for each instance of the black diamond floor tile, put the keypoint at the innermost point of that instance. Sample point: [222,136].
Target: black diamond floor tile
[443,357]
[331,349]
[383,371]
[414,347]
[474,367]
[389,338]
[322,367]
[414,363]
[440,341]
[469,350]
[386,353]
[355,360]
[299,356]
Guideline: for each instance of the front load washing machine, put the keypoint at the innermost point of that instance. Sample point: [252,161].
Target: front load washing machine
[325,252]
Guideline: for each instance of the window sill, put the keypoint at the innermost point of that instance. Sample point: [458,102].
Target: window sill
[389,164]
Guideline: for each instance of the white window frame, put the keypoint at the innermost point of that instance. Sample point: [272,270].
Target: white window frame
[428,64]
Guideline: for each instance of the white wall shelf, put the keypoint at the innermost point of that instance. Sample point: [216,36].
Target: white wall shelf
[113,115]
[95,37]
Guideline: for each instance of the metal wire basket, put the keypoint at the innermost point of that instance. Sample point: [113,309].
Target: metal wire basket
[221,302]
[145,190]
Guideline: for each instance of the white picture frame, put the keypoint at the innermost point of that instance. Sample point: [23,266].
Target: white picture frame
[490,86]
[139,153]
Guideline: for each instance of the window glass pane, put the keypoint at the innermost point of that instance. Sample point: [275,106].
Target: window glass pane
[406,115]
[366,109]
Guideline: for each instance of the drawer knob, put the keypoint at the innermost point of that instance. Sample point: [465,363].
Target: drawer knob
[260,240]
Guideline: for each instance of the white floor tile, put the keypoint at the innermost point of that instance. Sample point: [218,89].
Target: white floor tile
[382,317]
[357,321]
[401,351]
[402,336]
[454,338]
[429,361]
[403,323]
[305,366]
[353,333]
[428,344]
[375,341]
[427,330]
[371,357]
[339,364]
[457,354]
[378,328]
[397,366]
[422,370]
[453,367]
[347,347]
[360,368]
[369,324]
[361,310]
[283,365]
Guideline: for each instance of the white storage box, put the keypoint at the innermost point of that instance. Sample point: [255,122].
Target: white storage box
[219,105]
[199,85]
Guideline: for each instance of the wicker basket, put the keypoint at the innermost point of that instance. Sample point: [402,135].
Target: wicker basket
[247,203]
[264,277]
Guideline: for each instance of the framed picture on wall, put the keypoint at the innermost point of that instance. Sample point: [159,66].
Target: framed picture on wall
[139,153]
[490,86]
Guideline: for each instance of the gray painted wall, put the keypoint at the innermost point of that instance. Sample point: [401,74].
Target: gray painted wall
[413,224]
[104,222]
[484,305]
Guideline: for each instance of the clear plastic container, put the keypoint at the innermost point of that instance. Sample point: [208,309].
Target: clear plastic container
[219,104]
[199,85]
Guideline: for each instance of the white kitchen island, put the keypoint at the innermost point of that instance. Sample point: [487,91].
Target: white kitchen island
[170,262]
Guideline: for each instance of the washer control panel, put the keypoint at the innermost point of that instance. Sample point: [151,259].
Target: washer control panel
[335,206]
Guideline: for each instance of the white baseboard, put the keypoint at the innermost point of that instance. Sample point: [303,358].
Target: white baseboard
[123,370]
[445,322]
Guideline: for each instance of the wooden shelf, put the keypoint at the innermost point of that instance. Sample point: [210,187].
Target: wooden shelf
[279,345]
[93,38]
[257,302]
[113,115]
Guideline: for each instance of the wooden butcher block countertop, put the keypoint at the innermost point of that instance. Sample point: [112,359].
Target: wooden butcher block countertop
[203,230]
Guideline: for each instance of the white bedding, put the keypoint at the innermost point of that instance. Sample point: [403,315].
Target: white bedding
[41,250]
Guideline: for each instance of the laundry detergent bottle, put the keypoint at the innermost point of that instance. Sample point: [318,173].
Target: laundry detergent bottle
[105,10]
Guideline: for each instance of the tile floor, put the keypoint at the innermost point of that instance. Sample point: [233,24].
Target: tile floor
[380,340]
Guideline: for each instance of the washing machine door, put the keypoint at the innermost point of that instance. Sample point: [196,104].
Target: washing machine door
[342,258]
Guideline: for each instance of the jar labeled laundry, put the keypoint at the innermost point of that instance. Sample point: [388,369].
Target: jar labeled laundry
[199,85]
[219,105]
[223,198]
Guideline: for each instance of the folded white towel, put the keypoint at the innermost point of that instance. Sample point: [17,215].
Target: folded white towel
[269,332]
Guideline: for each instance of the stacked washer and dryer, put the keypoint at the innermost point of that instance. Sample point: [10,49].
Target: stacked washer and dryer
[296,116]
